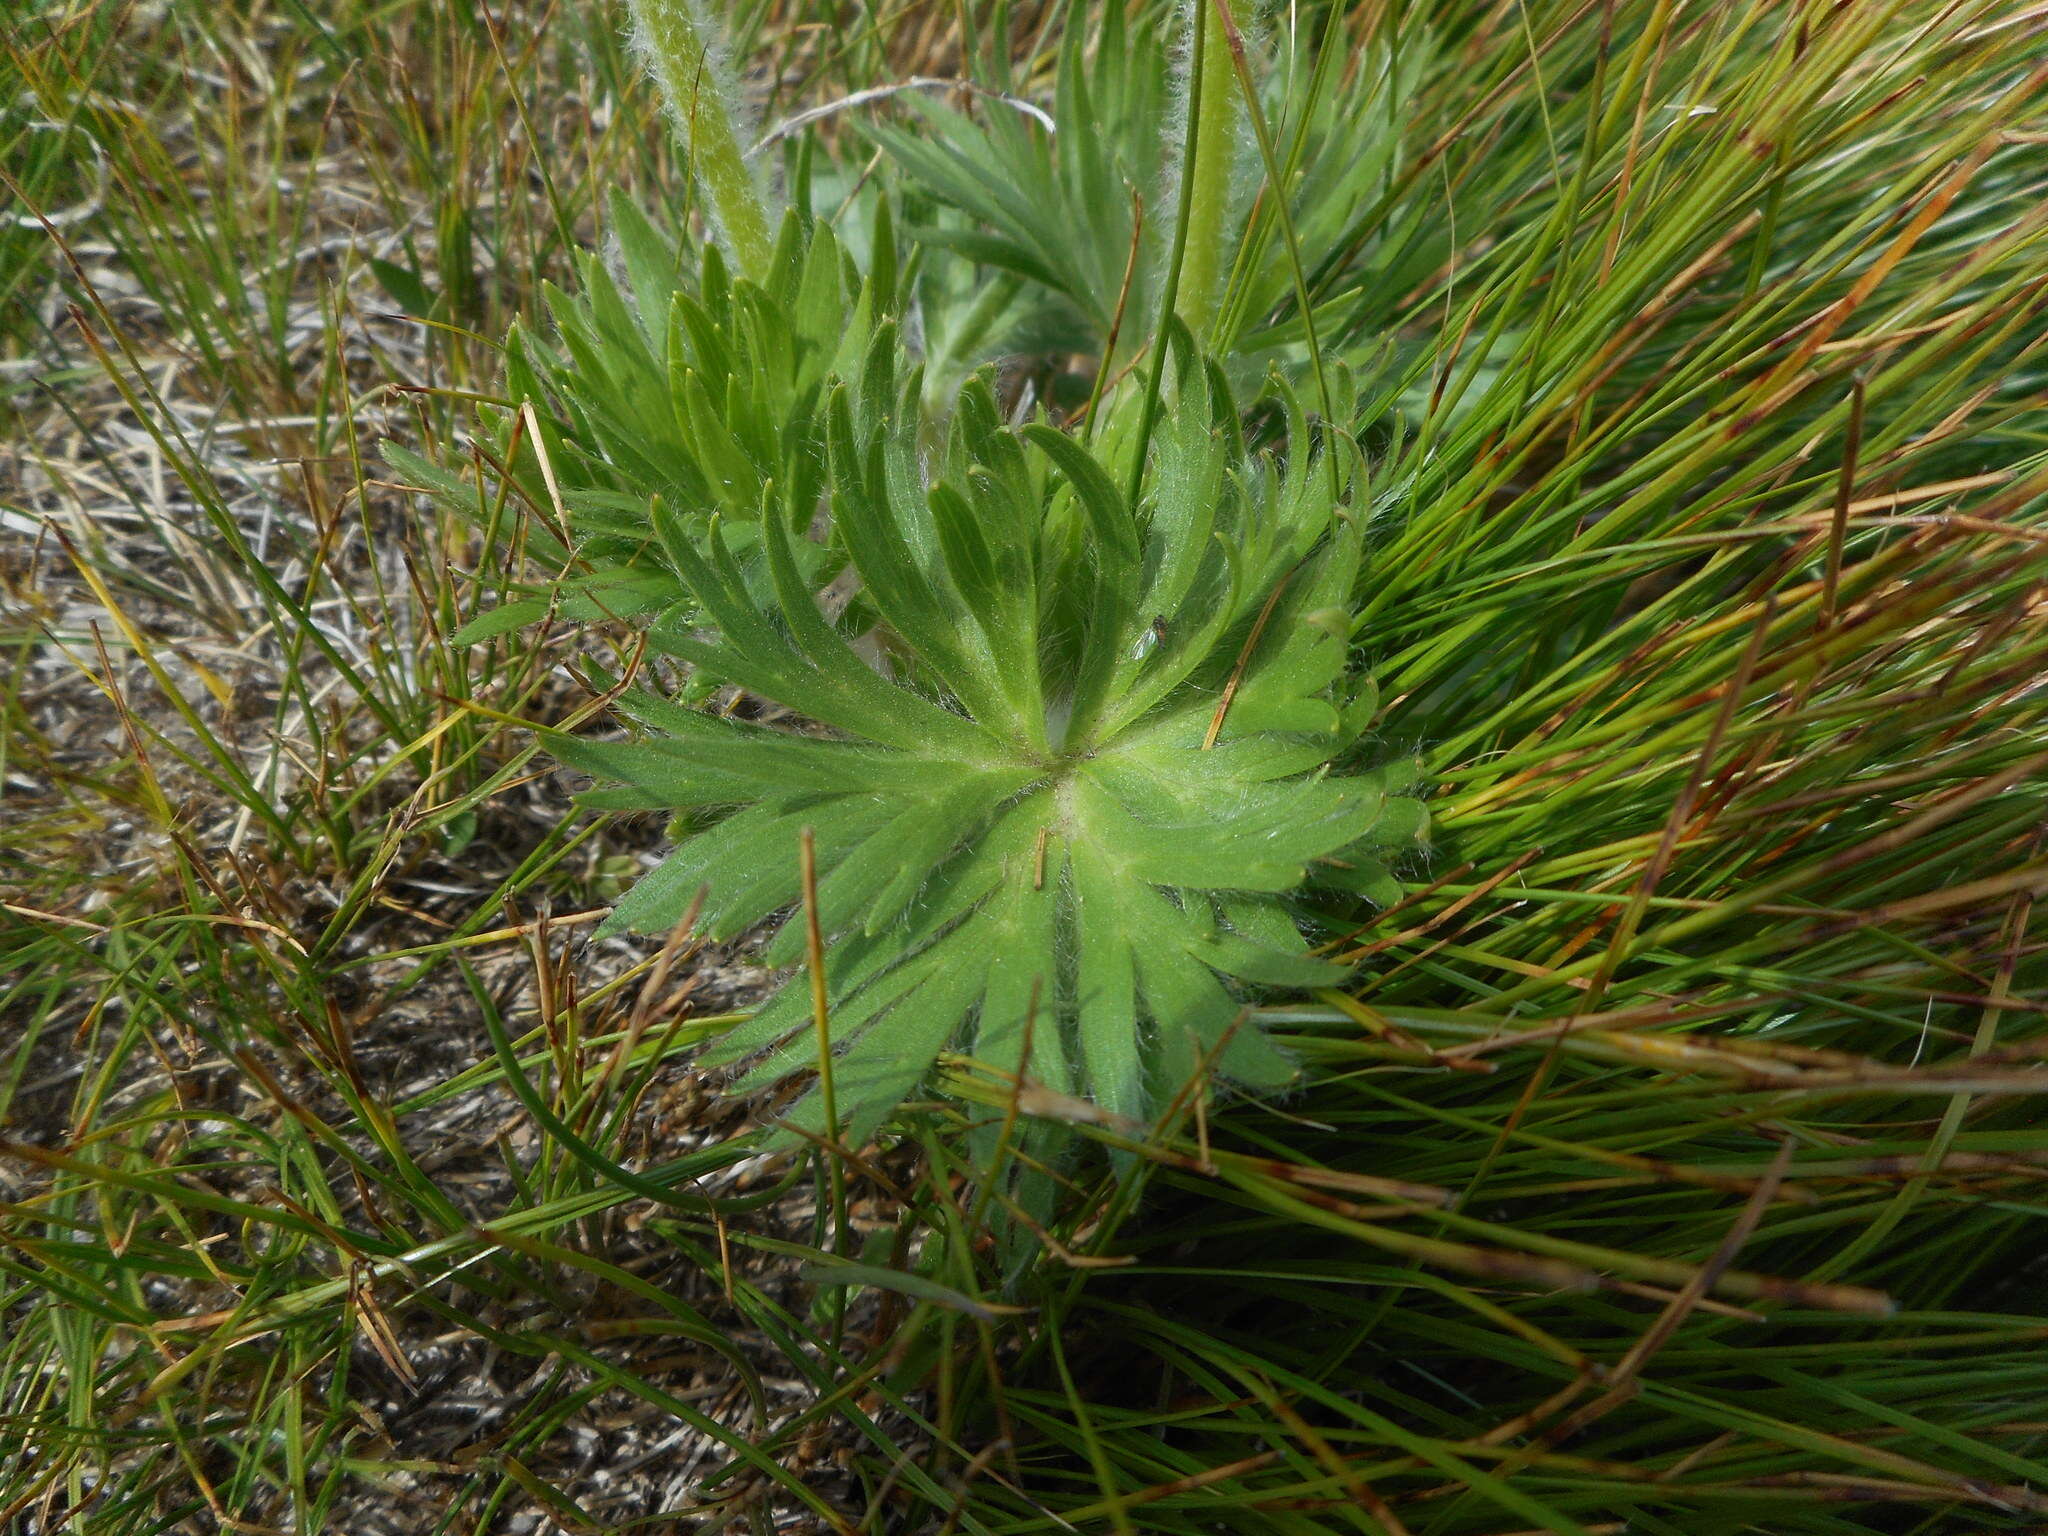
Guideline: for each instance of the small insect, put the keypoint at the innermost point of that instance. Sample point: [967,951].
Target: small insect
[1148,642]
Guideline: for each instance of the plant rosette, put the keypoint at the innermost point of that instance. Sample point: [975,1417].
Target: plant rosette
[1060,826]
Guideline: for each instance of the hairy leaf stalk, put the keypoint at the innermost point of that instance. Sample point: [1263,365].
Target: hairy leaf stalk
[679,40]
[1218,104]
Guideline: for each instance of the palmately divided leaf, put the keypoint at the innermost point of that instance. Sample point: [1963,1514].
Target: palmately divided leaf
[1049,818]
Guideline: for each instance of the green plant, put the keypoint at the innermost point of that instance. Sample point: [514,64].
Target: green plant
[685,384]
[680,40]
[1057,809]
[1087,814]
[1670,1155]
[1074,233]
[1214,105]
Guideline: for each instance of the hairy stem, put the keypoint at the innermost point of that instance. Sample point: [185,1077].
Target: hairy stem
[679,40]
[1218,106]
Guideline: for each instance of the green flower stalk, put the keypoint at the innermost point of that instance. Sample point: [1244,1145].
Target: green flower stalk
[1210,152]
[679,39]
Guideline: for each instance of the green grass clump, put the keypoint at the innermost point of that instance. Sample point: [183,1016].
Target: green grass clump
[1627,419]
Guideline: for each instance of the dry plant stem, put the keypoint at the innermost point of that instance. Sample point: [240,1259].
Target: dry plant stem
[1621,1381]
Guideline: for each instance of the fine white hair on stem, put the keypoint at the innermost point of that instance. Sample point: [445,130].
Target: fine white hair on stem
[683,48]
[1223,133]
